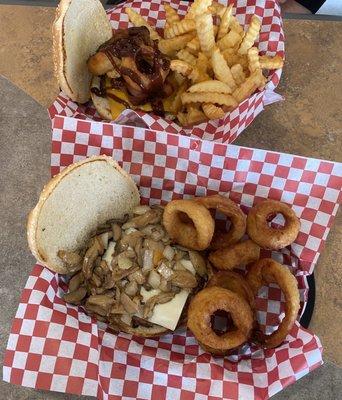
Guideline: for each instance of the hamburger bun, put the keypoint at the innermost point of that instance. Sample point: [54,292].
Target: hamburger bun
[79,28]
[74,203]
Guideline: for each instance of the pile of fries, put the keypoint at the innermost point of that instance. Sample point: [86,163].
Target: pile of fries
[215,66]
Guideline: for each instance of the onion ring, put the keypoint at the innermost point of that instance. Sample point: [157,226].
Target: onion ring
[233,212]
[238,254]
[205,304]
[268,271]
[234,282]
[195,234]
[266,236]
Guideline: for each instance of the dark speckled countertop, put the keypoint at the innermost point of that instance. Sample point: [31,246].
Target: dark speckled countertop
[308,122]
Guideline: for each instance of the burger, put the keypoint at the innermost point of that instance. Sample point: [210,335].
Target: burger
[115,69]
[120,263]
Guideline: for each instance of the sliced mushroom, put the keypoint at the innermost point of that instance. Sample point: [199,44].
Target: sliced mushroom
[72,260]
[198,262]
[129,305]
[119,274]
[116,229]
[89,260]
[76,281]
[124,262]
[137,321]
[153,245]
[117,308]
[148,218]
[158,233]
[95,280]
[140,210]
[184,279]
[76,296]
[169,253]
[165,286]
[129,240]
[101,300]
[159,299]
[138,248]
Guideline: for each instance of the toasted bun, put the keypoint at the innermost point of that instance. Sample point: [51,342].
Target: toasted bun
[74,203]
[100,103]
[79,28]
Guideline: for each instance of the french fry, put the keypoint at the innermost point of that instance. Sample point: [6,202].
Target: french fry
[217,9]
[193,46]
[225,21]
[230,40]
[195,115]
[253,59]
[211,111]
[205,32]
[198,7]
[170,46]
[181,67]
[251,35]
[217,98]
[210,86]
[176,105]
[251,84]
[232,58]
[235,26]
[268,62]
[138,20]
[221,69]
[181,27]
[186,56]
[171,15]
[238,74]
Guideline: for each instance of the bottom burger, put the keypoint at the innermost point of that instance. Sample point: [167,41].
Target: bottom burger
[147,270]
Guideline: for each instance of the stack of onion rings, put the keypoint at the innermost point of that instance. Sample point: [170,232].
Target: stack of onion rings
[266,236]
[233,212]
[267,271]
[205,304]
[196,231]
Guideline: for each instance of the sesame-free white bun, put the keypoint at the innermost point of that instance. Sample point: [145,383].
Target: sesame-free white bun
[74,203]
[79,28]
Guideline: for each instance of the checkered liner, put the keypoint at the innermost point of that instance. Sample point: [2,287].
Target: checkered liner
[227,129]
[55,346]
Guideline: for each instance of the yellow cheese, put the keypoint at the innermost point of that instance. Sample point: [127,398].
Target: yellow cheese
[168,314]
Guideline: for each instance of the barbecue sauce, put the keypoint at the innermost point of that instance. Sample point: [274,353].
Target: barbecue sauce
[149,68]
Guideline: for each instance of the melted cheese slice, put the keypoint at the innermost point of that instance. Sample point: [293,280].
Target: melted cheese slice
[168,314]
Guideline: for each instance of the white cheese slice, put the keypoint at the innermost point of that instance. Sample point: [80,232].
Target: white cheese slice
[168,314]
[187,264]
[147,294]
[108,255]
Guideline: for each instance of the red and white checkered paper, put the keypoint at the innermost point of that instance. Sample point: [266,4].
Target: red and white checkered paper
[226,129]
[55,346]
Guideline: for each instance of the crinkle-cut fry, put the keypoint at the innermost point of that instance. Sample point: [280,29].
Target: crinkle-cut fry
[235,26]
[212,112]
[232,58]
[197,7]
[171,15]
[181,67]
[221,69]
[216,98]
[176,105]
[138,20]
[193,46]
[210,86]
[230,40]
[202,65]
[181,27]
[251,84]
[170,46]
[217,9]
[205,32]
[195,115]
[186,56]
[251,35]
[238,74]
[268,62]
[182,118]
[253,59]
[225,22]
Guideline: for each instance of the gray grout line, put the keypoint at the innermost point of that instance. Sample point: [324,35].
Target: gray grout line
[53,3]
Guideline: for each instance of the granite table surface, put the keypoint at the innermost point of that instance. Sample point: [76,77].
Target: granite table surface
[307,123]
